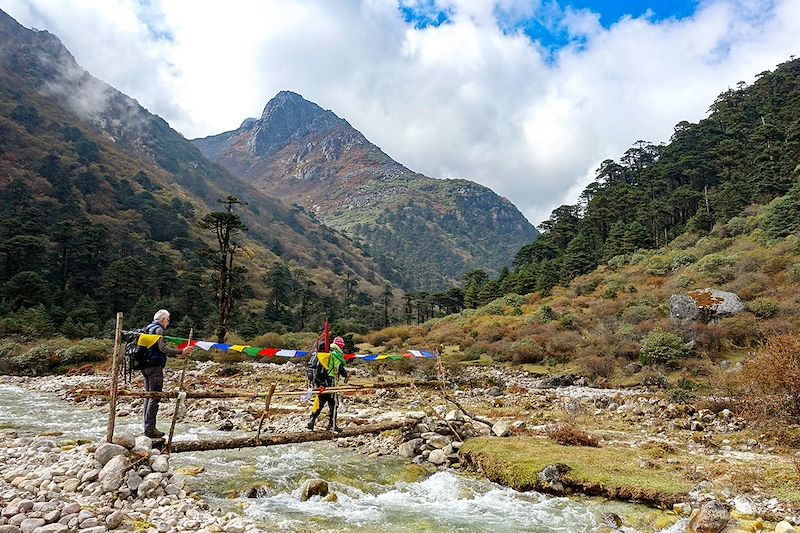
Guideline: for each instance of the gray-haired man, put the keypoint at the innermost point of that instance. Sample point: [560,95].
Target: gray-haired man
[154,371]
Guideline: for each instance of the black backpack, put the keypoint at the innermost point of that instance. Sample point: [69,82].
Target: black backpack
[136,357]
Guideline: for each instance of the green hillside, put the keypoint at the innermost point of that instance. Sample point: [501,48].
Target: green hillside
[100,203]
[717,207]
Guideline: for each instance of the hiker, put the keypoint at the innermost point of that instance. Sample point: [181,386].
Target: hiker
[153,372]
[327,368]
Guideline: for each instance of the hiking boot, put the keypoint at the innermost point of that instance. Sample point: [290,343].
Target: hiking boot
[153,433]
[334,429]
[311,422]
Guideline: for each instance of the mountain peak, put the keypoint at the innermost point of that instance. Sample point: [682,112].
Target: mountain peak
[288,117]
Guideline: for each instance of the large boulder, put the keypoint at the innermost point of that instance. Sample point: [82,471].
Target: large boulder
[704,305]
[107,450]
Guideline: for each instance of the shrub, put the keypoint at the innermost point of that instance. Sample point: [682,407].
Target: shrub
[680,259]
[545,314]
[561,346]
[769,385]
[684,281]
[567,320]
[720,267]
[599,366]
[638,313]
[763,307]
[268,340]
[379,338]
[568,434]
[40,359]
[658,266]
[86,351]
[612,288]
[526,351]
[662,347]
[793,273]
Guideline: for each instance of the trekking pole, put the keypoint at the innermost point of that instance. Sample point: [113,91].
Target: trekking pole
[181,395]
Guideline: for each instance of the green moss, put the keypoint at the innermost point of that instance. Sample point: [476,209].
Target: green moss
[609,471]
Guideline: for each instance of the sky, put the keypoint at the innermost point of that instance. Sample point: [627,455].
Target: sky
[526,97]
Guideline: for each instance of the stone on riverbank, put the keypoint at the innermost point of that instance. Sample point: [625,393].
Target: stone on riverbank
[712,517]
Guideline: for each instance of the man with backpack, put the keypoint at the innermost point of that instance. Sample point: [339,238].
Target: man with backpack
[153,371]
[324,370]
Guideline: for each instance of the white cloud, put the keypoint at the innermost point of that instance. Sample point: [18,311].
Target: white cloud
[468,98]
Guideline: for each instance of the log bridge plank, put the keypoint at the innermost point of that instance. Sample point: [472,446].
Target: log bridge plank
[285,438]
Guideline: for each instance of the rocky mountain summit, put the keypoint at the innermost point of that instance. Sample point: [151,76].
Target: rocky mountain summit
[305,155]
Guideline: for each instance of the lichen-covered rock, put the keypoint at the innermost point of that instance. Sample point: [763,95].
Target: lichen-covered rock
[704,305]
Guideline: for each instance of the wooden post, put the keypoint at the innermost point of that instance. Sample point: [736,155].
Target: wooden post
[115,361]
[178,397]
[266,411]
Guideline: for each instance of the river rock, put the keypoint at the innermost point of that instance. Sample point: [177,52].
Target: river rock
[409,449]
[438,441]
[124,439]
[502,428]
[144,442]
[453,415]
[552,475]
[133,480]
[159,464]
[784,527]
[313,487]
[744,506]
[107,450]
[52,528]
[113,472]
[437,457]
[149,484]
[712,517]
[29,524]
[114,519]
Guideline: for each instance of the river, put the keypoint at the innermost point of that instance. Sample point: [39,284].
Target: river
[374,494]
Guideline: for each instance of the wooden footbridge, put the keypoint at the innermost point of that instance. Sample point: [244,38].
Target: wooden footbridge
[115,392]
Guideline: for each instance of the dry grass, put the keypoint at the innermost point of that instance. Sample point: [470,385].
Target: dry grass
[568,434]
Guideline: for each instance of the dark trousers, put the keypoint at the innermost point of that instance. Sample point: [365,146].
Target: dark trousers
[330,400]
[153,382]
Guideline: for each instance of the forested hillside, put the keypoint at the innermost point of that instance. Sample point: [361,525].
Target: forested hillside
[100,204]
[746,152]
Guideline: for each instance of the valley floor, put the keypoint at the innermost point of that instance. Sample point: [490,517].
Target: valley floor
[649,449]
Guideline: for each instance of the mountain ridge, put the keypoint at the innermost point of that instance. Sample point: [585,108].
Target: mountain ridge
[319,161]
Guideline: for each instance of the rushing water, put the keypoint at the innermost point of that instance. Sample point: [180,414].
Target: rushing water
[384,494]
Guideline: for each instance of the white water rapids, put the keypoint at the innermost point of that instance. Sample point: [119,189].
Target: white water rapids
[374,494]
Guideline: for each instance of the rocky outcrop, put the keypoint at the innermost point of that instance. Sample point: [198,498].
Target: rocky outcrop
[704,305]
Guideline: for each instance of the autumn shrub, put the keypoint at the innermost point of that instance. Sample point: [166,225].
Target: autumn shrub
[741,330]
[379,338]
[303,340]
[662,347]
[763,307]
[545,314]
[709,338]
[658,265]
[527,351]
[561,346]
[748,285]
[569,434]
[637,313]
[599,366]
[269,340]
[586,285]
[769,384]
[613,287]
